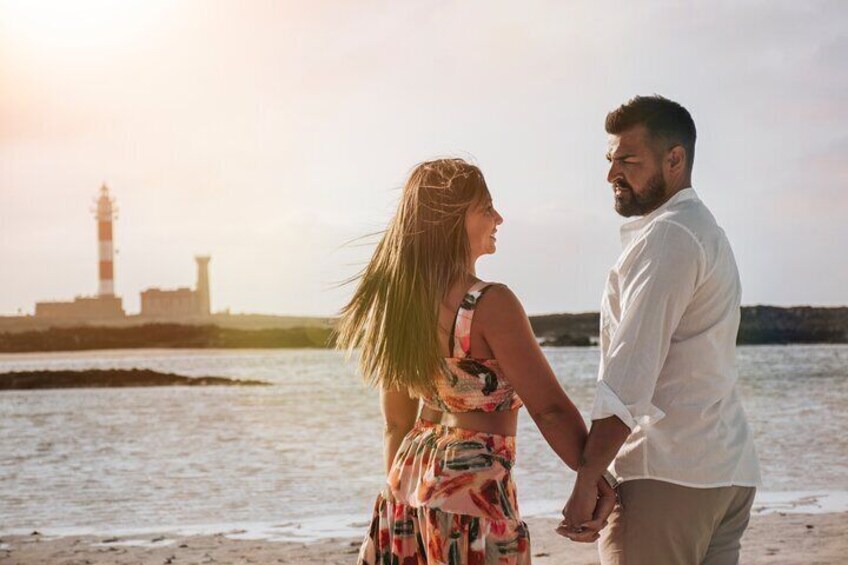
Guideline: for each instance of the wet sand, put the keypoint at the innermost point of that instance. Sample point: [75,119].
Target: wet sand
[773,538]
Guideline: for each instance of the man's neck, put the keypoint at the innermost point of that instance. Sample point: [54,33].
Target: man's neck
[669,195]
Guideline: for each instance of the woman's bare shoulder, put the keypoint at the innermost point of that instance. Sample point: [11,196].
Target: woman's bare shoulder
[499,305]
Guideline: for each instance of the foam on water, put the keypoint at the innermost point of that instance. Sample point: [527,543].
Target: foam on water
[304,531]
[353,526]
[795,502]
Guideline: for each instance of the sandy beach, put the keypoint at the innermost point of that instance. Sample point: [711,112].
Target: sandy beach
[773,538]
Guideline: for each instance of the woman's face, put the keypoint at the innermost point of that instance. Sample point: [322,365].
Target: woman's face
[481,224]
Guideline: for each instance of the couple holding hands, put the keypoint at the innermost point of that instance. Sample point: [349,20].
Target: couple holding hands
[668,471]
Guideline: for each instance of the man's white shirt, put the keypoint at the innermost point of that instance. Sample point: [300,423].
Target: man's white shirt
[669,319]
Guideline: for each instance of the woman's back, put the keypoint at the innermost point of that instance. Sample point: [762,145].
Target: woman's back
[472,392]
[448,310]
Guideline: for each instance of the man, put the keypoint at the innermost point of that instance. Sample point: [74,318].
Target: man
[667,415]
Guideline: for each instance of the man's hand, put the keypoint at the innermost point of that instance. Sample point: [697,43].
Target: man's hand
[587,510]
[579,511]
[607,499]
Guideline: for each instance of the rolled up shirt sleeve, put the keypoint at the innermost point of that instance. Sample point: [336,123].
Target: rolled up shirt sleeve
[656,279]
[607,403]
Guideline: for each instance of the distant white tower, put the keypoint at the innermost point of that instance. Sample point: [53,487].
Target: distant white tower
[105,214]
[202,289]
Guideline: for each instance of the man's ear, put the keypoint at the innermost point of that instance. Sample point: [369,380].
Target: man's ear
[676,158]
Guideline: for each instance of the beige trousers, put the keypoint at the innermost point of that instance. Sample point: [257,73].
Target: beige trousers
[659,523]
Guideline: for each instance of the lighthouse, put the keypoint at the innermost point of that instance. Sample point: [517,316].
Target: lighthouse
[105,214]
[105,305]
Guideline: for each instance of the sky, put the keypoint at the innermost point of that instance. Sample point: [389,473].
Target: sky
[273,135]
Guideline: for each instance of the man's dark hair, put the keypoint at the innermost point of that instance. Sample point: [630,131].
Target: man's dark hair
[667,122]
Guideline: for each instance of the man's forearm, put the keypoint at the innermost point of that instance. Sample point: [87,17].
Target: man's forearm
[605,439]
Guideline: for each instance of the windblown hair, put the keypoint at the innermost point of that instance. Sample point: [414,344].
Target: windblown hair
[394,312]
[668,122]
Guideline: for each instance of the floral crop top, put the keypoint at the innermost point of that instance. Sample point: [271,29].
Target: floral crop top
[469,384]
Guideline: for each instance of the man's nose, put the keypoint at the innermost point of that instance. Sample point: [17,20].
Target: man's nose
[613,173]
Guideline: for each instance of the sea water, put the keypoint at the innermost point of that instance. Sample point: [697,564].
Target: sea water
[302,459]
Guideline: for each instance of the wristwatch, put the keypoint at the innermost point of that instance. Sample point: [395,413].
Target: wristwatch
[611,480]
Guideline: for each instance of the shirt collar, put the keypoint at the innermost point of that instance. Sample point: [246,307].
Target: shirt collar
[631,229]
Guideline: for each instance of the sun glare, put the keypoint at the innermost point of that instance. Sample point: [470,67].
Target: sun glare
[60,25]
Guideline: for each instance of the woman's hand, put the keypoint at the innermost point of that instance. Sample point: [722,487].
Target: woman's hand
[586,512]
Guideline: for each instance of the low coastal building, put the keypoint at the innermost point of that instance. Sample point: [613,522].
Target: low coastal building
[82,308]
[158,303]
[180,302]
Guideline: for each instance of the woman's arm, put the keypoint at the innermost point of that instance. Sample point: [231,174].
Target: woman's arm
[507,331]
[399,413]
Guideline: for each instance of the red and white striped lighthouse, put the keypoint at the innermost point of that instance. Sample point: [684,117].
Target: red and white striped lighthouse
[106,212]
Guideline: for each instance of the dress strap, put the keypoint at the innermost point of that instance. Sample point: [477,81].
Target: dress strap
[461,333]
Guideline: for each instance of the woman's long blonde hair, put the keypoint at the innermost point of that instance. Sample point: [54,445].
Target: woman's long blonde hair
[394,313]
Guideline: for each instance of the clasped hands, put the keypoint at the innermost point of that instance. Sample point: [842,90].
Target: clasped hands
[586,512]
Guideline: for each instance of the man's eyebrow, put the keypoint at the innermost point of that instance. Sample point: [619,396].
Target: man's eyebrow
[619,157]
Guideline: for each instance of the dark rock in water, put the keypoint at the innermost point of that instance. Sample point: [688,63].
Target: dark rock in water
[97,378]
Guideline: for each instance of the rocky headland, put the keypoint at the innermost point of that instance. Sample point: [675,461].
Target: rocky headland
[759,325]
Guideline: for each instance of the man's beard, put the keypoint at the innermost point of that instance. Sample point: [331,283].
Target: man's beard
[632,204]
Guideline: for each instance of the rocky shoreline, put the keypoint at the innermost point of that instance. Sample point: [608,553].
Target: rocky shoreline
[759,325]
[167,336]
[110,378]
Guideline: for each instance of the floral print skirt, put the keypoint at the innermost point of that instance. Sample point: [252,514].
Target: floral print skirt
[450,499]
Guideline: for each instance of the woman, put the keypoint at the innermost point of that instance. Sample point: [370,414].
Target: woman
[450,497]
